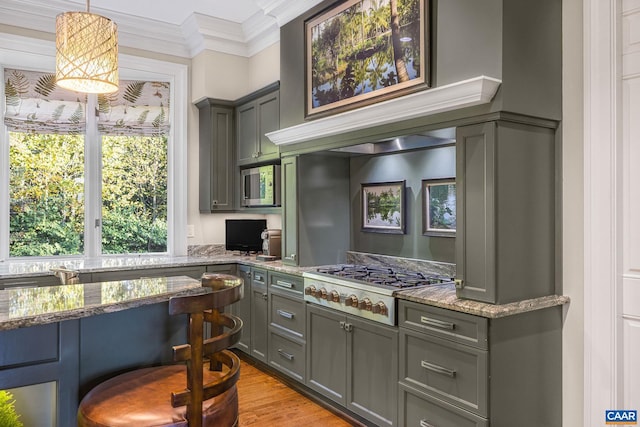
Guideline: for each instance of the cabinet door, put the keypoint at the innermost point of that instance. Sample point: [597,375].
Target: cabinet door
[327,353]
[216,158]
[259,315]
[247,130]
[475,205]
[268,121]
[242,309]
[372,376]
[289,211]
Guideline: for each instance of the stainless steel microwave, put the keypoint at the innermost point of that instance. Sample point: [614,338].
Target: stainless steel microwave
[261,186]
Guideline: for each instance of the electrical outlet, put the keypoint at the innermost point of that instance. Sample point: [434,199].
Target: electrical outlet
[191,230]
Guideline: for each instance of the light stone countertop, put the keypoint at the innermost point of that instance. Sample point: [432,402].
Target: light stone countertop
[443,296]
[24,307]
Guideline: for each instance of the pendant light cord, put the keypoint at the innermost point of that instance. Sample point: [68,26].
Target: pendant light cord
[88,3]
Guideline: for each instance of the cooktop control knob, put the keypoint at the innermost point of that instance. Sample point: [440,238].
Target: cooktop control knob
[351,301]
[333,296]
[310,290]
[322,293]
[365,304]
[380,308]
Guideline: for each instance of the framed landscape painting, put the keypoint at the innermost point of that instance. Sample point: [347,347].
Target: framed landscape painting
[439,207]
[364,51]
[383,208]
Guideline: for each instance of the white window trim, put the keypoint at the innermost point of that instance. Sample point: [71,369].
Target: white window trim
[24,52]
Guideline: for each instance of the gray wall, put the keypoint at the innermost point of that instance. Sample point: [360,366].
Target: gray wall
[518,41]
[412,166]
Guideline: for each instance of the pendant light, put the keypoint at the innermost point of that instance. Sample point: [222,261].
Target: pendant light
[86,52]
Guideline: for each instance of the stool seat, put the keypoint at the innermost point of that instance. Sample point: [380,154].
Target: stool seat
[199,390]
[143,398]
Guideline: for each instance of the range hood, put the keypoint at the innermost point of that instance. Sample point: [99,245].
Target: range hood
[466,93]
[403,143]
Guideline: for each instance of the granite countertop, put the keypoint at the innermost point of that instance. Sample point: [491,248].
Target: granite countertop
[24,268]
[23,307]
[444,296]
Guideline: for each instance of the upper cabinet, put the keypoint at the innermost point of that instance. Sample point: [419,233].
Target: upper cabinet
[256,115]
[506,209]
[217,171]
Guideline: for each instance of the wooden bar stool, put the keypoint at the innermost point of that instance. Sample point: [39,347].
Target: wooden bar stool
[157,396]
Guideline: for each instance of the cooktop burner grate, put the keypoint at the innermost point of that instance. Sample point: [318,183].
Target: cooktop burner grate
[383,276]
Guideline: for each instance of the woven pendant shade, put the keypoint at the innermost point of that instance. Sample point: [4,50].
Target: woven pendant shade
[86,52]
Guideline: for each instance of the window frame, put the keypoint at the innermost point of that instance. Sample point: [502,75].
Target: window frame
[31,54]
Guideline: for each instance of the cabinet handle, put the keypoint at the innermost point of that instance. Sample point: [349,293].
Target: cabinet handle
[292,256]
[459,283]
[424,423]
[284,284]
[285,314]
[343,324]
[437,323]
[284,354]
[348,327]
[258,277]
[438,369]
[264,296]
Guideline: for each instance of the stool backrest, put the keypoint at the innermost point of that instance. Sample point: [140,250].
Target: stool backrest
[207,307]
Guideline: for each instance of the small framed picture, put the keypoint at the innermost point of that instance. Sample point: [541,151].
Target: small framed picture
[439,207]
[383,207]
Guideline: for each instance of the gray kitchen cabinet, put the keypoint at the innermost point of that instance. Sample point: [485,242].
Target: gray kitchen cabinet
[506,193]
[217,171]
[194,272]
[353,362]
[287,325]
[288,169]
[259,315]
[242,309]
[457,369]
[223,269]
[311,183]
[256,115]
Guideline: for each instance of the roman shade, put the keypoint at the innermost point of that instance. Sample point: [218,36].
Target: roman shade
[35,104]
[137,108]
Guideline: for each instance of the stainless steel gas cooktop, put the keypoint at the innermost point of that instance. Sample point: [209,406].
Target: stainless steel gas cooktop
[364,291]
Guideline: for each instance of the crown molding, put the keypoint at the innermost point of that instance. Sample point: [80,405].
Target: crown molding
[198,32]
[285,11]
[466,93]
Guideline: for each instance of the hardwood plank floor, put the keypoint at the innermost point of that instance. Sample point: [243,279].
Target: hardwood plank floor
[266,401]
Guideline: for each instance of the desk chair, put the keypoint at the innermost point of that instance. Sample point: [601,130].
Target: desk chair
[157,396]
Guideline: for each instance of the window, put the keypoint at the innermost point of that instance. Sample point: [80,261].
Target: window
[91,184]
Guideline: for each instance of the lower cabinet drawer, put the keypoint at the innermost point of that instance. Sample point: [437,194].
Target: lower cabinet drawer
[287,356]
[455,373]
[288,314]
[420,410]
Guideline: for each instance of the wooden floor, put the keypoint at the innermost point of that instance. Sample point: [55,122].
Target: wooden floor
[265,401]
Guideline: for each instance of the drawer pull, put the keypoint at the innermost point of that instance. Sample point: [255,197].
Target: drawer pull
[423,423]
[258,278]
[438,369]
[437,323]
[284,354]
[284,284]
[285,314]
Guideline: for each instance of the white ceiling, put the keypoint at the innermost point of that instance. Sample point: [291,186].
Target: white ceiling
[176,27]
